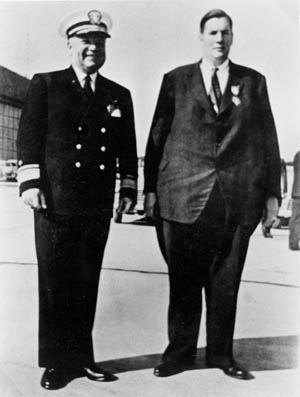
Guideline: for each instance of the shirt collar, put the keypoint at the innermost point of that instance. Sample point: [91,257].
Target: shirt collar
[208,66]
[81,75]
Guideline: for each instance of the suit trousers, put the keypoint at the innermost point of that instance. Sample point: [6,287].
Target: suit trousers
[207,255]
[69,254]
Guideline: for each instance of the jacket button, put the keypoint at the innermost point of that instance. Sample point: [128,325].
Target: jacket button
[103,130]
[79,128]
[78,146]
[103,148]
[102,167]
[77,164]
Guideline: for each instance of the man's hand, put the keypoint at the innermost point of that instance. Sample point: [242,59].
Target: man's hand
[125,205]
[150,203]
[271,211]
[35,198]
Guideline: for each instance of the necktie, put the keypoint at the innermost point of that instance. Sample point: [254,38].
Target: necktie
[87,87]
[215,92]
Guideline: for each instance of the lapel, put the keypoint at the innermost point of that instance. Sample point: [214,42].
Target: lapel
[103,92]
[199,92]
[72,84]
[198,88]
[234,80]
[74,93]
[100,100]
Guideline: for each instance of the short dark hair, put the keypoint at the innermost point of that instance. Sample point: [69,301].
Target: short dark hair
[216,13]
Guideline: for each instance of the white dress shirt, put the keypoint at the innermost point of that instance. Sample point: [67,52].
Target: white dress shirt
[207,70]
[81,77]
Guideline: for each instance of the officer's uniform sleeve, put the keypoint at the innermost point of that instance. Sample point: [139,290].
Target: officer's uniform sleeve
[127,153]
[32,135]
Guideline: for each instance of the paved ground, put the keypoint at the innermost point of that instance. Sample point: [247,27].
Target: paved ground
[130,327]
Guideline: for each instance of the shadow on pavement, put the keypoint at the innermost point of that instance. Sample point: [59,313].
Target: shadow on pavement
[256,354]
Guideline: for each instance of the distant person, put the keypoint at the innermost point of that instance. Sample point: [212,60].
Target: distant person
[294,225]
[212,165]
[74,126]
[266,225]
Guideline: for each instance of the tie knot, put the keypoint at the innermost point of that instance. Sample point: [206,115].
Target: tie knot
[87,78]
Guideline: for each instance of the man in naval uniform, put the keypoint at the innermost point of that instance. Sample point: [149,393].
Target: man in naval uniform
[74,126]
[211,167]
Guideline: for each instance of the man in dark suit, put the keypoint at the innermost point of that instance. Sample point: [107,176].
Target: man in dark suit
[212,164]
[74,127]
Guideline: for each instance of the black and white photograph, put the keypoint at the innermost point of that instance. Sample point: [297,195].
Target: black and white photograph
[149,198]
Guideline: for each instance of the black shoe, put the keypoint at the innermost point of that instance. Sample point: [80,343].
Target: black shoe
[54,379]
[95,373]
[168,368]
[236,371]
[230,367]
[188,361]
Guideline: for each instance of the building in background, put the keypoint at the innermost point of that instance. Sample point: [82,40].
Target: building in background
[13,88]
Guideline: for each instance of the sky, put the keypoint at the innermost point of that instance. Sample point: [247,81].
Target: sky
[149,38]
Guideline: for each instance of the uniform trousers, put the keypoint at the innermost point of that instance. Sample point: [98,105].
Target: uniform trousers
[69,254]
[207,255]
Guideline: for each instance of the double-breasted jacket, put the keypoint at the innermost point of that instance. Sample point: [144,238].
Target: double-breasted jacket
[69,146]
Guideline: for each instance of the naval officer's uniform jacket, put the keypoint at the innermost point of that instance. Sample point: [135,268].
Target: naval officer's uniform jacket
[68,146]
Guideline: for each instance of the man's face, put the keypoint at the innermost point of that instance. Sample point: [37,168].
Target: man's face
[88,53]
[216,40]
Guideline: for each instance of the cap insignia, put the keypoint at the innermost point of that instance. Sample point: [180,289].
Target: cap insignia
[95,17]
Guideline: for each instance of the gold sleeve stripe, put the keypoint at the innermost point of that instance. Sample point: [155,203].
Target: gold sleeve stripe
[28,172]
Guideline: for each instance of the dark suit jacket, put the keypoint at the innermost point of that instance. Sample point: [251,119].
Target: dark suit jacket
[190,147]
[76,143]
